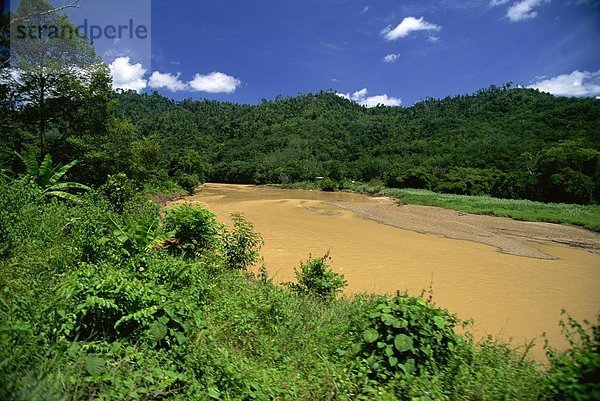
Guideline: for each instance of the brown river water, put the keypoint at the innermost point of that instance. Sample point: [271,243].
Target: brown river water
[483,277]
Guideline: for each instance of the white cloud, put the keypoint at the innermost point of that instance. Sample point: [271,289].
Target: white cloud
[575,84]
[408,25]
[215,82]
[433,39]
[494,3]
[165,80]
[365,9]
[524,10]
[361,98]
[126,75]
[391,58]
[384,99]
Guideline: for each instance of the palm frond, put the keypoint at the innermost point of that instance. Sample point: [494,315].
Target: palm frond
[63,195]
[45,171]
[67,185]
[118,232]
[60,172]
[31,165]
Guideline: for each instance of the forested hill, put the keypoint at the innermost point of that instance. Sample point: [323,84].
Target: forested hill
[515,143]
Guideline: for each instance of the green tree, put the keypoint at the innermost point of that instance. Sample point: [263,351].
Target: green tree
[569,173]
[50,63]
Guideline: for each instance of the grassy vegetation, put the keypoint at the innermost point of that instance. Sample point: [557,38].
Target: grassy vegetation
[587,216]
[108,298]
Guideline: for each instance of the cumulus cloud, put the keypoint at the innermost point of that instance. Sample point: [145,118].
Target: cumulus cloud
[408,25]
[524,10]
[575,84]
[391,58]
[384,99]
[126,75]
[165,80]
[361,98]
[215,82]
[494,3]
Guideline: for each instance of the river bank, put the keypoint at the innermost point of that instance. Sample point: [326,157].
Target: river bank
[516,293]
[587,216]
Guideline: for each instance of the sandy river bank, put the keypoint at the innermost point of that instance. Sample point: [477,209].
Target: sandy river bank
[513,278]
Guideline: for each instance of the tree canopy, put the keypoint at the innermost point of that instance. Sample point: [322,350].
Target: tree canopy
[512,143]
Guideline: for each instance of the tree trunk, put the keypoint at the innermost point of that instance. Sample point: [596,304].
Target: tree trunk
[42,114]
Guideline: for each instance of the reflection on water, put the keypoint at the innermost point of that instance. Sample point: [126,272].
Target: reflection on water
[507,296]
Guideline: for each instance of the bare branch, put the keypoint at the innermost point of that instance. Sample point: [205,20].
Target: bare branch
[73,4]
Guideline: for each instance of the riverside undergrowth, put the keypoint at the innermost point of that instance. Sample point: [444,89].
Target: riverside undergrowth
[105,301]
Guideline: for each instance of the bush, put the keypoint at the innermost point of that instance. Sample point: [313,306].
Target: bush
[328,185]
[189,182]
[315,277]
[469,181]
[404,335]
[409,177]
[107,302]
[194,229]
[574,374]
[119,190]
[493,371]
[242,244]
[16,196]
[138,234]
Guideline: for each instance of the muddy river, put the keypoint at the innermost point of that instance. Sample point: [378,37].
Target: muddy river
[512,278]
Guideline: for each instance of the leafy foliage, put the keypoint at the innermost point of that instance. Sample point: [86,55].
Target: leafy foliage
[194,229]
[328,185]
[316,277]
[241,244]
[48,177]
[139,235]
[104,302]
[404,335]
[119,190]
[574,373]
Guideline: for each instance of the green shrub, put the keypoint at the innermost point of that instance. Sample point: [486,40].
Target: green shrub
[189,182]
[574,374]
[409,177]
[16,196]
[316,277]
[328,185]
[469,181]
[194,229]
[241,244]
[62,234]
[138,234]
[119,190]
[493,371]
[107,302]
[404,335]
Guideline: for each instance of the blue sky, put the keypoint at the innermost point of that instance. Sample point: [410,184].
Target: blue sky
[243,51]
